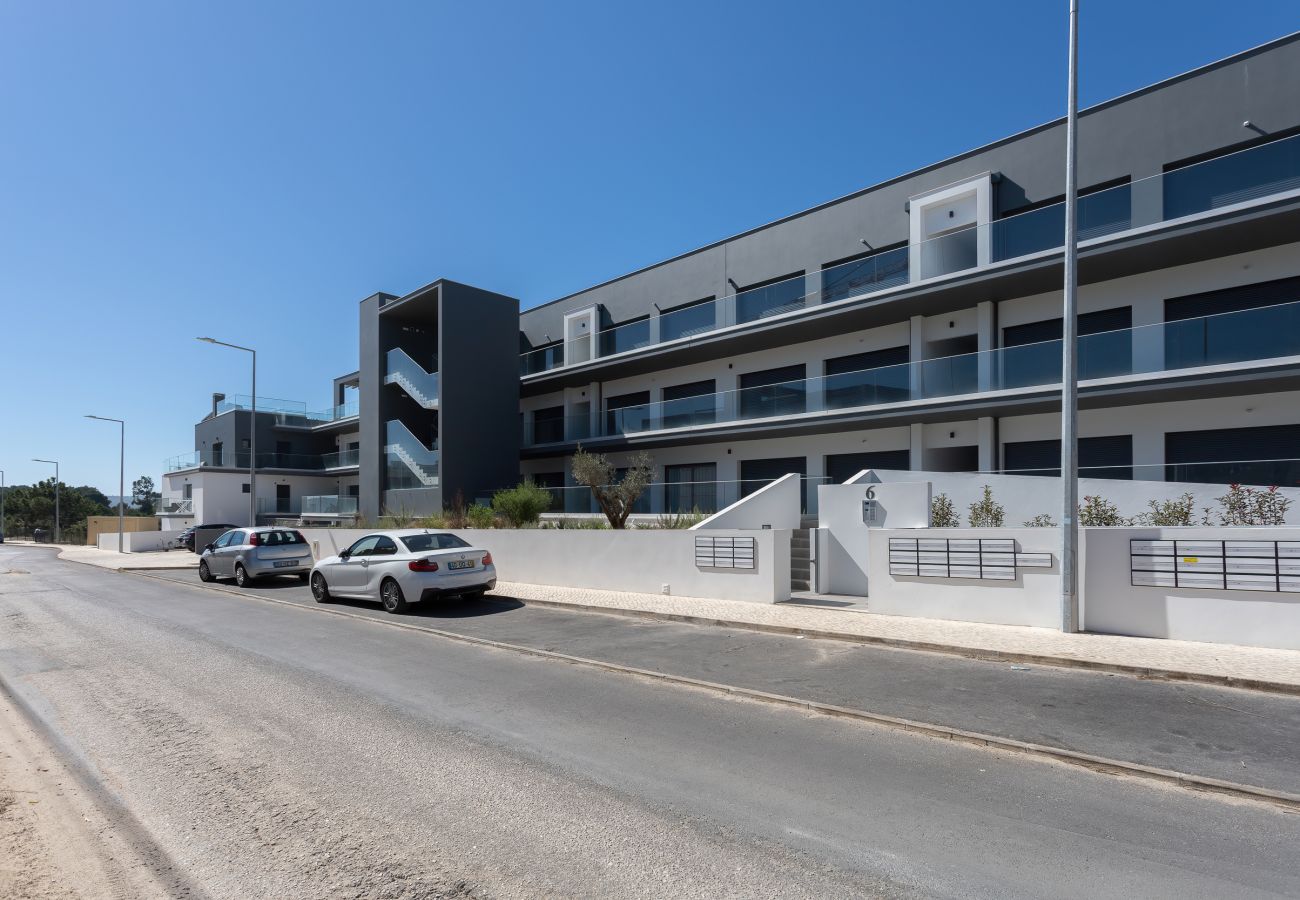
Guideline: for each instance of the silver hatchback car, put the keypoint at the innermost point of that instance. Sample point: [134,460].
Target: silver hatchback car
[248,553]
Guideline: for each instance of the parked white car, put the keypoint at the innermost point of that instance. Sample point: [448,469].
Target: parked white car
[399,568]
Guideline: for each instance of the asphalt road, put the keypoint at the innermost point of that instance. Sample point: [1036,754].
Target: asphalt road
[1230,734]
[272,751]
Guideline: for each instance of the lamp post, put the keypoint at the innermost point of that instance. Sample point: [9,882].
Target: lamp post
[121,477]
[56,495]
[1069,371]
[252,429]
[2,506]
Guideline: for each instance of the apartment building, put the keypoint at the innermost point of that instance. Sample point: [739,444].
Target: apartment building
[915,324]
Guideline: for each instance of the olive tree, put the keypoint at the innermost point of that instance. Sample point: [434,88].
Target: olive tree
[614,494]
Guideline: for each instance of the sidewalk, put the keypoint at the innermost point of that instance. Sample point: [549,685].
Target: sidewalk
[1251,667]
[111,559]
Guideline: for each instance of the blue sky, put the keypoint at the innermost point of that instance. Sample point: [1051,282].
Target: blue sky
[253,170]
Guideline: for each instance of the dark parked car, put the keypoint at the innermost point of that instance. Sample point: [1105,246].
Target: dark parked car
[186,539]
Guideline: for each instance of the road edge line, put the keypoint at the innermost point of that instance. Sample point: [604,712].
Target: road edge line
[1092,762]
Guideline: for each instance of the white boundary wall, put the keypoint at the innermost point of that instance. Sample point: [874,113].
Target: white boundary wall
[137,541]
[1032,599]
[1111,604]
[637,560]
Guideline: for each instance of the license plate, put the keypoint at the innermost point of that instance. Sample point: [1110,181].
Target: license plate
[285,563]
[461,564]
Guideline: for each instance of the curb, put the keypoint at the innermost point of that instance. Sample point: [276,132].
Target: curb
[1066,662]
[1101,764]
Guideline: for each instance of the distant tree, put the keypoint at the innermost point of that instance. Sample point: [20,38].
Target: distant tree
[143,497]
[614,495]
[28,507]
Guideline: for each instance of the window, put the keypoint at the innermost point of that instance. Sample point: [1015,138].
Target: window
[1099,457]
[758,473]
[627,412]
[691,488]
[630,335]
[1255,321]
[542,358]
[281,537]
[864,273]
[879,376]
[554,483]
[384,546]
[1236,174]
[1103,209]
[217,448]
[840,467]
[687,319]
[773,392]
[548,425]
[1031,353]
[283,502]
[229,539]
[689,404]
[770,298]
[187,491]
[245,488]
[364,546]
[421,543]
[1266,455]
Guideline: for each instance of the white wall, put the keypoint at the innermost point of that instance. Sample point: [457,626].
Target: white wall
[1032,599]
[775,505]
[138,541]
[842,556]
[1113,605]
[641,561]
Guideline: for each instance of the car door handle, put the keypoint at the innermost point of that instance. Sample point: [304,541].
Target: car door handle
[364,563]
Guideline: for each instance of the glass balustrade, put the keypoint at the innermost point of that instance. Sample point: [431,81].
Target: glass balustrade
[343,459]
[329,505]
[1238,177]
[410,462]
[230,459]
[1263,333]
[670,498]
[420,384]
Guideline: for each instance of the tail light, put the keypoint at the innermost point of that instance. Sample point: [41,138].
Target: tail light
[487,559]
[422,565]
[253,539]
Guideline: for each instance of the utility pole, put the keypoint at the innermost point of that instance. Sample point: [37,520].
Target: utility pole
[252,432]
[1069,330]
[121,478]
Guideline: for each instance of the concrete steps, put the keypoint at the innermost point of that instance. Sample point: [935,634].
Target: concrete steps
[801,560]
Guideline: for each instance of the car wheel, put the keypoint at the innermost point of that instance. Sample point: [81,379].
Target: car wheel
[390,593]
[474,595]
[319,589]
[242,578]
[204,573]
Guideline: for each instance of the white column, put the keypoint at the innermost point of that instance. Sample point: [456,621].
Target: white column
[988,445]
[916,458]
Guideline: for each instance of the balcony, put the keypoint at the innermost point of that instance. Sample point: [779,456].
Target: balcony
[344,459]
[329,506]
[410,376]
[175,506]
[278,506]
[304,462]
[1228,339]
[1245,176]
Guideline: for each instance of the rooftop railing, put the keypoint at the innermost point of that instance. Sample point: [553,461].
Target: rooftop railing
[1262,333]
[1239,177]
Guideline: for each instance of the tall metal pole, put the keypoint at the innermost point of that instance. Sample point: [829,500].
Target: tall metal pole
[252,441]
[1069,373]
[2,506]
[56,494]
[121,478]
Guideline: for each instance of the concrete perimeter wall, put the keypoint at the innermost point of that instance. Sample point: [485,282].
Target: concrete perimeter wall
[137,541]
[1111,604]
[636,560]
[97,525]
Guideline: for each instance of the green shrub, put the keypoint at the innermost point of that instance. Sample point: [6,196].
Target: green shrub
[521,505]
[480,516]
[1100,512]
[987,512]
[1169,512]
[1042,520]
[942,514]
[435,522]
[679,520]
[1247,506]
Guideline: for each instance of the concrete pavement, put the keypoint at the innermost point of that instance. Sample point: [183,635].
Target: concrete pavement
[275,751]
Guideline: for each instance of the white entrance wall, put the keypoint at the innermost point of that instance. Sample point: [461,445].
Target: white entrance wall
[843,559]
[1113,605]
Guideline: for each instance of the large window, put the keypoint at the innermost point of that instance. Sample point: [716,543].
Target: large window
[770,298]
[627,412]
[686,320]
[548,425]
[1102,209]
[772,392]
[1254,321]
[865,273]
[1233,177]
[758,473]
[1031,353]
[1266,455]
[631,335]
[840,467]
[879,376]
[689,404]
[691,488]
[1099,457]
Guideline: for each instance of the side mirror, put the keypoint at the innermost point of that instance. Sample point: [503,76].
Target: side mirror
[344,554]
[209,547]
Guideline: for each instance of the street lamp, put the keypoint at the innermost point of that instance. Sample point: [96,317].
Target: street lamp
[1069,371]
[56,495]
[252,428]
[2,506]
[121,477]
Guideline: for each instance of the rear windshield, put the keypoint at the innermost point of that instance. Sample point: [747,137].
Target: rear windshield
[419,543]
[280,537]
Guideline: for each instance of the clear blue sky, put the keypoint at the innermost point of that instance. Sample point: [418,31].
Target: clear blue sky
[253,170]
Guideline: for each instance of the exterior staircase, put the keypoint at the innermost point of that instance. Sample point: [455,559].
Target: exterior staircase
[410,376]
[801,560]
[421,460]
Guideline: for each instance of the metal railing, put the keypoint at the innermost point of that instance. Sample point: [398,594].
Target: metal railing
[175,506]
[412,377]
[1240,177]
[343,459]
[1262,333]
[411,464]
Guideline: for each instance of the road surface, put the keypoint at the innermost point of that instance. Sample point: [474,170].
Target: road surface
[271,750]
